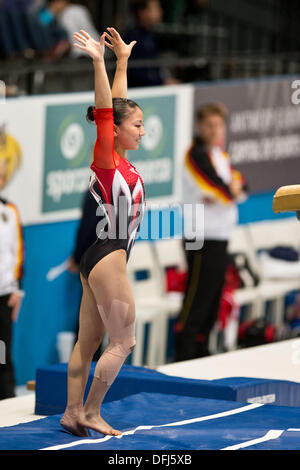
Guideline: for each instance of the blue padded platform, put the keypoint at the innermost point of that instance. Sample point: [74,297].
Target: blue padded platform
[162,421]
[51,387]
[253,390]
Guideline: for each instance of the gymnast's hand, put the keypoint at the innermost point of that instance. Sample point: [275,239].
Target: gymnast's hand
[72,266]
[95,49]
[120,48]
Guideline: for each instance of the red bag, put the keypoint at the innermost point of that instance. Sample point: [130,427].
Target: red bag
[176,280]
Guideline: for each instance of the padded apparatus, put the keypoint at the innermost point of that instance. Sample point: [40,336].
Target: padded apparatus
[287,198]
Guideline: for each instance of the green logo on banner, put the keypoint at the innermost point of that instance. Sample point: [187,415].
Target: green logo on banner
[69,141]
[155,157]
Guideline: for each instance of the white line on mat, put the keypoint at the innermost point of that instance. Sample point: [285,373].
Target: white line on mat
[138,428]
[272,434]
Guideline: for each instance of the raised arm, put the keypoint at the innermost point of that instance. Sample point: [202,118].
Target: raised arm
[122,51]
[95,49]
[104,153]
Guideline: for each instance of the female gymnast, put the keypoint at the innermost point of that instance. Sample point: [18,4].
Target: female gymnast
[107,299]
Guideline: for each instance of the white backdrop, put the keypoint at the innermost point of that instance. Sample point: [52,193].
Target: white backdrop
[24,118]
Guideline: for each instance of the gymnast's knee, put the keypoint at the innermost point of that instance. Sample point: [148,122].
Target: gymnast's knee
[121,347]
[112,359]
[126,345]
[133,344]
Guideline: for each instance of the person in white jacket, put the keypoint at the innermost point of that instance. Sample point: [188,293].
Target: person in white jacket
[11,272]
[71,17]
[209,180]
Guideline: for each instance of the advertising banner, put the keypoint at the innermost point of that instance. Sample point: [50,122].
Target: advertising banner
[155,157]
[50,144]
[263,137]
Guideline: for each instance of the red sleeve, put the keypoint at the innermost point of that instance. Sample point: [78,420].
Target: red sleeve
[104,153]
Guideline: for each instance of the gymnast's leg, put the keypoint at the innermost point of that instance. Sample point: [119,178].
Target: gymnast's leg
[91,331]
[112,290]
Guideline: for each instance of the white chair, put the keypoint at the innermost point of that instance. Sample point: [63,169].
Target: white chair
[151,303]
[246,296]
[169,253]
[148,306]
[149,289]
[270,233]
[144,316]
[266,235]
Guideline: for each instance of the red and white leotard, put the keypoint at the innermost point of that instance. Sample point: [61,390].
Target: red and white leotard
[116,176]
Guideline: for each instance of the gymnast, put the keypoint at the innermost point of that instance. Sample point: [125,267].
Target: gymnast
[107,302]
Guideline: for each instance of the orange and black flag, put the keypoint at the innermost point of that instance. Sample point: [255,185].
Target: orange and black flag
[198,163]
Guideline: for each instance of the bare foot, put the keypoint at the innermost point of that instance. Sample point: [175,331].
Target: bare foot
[71,423]
[97,423]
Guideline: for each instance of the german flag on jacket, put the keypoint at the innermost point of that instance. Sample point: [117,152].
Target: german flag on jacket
[11,248]
[206,179]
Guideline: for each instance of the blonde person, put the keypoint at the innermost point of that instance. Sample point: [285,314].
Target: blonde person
[209,179]
[107,300]
[11,272]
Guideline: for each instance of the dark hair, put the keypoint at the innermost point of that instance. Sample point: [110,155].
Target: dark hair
[212,109]
[122,108]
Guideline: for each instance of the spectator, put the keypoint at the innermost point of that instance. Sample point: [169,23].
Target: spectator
[147,13]
[14,40]
[18,4]
[11,271]
[68,18]
[209,179]
[74,18]
[28,31]
[57,36]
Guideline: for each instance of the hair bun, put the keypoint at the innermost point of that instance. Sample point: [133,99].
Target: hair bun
[90,114]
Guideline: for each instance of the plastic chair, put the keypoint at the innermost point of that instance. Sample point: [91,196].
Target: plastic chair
[249,297]
[265,235]
[246,296]
[150,301]
[170,253]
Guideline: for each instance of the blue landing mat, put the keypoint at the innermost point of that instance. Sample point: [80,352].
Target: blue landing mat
[51,387]
[169,422]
